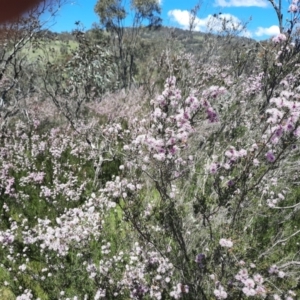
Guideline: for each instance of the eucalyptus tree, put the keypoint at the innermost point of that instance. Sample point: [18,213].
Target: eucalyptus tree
[124,22]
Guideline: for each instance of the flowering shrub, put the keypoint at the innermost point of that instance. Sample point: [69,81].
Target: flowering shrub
[192,194]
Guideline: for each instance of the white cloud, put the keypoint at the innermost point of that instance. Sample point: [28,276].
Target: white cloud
[272,30]
[210,23]
[217,24]
[246,33]
[182,17]
[247,3]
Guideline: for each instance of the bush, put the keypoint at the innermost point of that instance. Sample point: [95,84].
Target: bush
[185,188]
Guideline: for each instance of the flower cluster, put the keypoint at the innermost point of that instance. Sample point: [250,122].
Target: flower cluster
[279,38]
[252,286]
[293,8]
[275,271]
[179,290]
[220,292]
[74,229]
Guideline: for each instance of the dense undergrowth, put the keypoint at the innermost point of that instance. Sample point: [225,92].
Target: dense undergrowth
[184,185]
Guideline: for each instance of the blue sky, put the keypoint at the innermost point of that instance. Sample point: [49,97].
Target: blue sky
[176,13]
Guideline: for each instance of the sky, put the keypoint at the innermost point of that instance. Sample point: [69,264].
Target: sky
[260,15]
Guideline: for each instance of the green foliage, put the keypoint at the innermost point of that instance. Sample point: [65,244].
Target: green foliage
[112,14]
[136,205]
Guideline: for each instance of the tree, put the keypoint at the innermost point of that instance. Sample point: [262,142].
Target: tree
[293,9]
[112,14]
[277,8]
[17,39]
[78,76]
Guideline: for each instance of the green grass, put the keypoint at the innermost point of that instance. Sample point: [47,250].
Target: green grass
[48,50]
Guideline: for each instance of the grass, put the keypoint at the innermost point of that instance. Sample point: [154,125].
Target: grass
[50,50]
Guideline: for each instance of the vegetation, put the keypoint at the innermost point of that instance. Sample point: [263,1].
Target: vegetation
[178,179]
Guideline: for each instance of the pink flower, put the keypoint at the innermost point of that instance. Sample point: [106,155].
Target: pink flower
[260,290]
[270,156]
[258,278]
[249,283]
[249,291]
[293,8]
[242,152]
[213,168]
[273,269]
[255,162]
[233,154]
[279,38]
[212,115]
[278,132]
[297,132]
[242,275]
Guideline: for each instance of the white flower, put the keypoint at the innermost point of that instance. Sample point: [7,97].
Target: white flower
[249,291]
[220,293]
[226,243]
[211,276]
[22,267]
[281,274]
